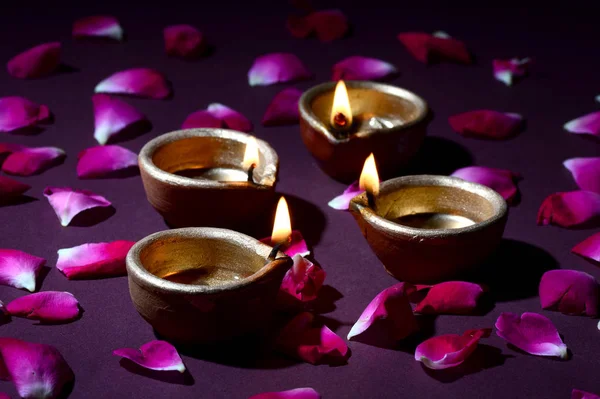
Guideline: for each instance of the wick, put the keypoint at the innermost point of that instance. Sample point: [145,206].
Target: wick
[371,199]
[251,173]
[273,252]
[340,121]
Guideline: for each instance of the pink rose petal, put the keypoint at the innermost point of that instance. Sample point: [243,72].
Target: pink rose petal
[19,113]
[509,71]
[33,161]
[577,394]
[104,161]
[304,280]
[297,245]
[570,292]
[36,370]
[274,68]
[95,260]
[19,269]
[451,297]
[314,345]
[449,350]
[46,306]
[184,41]
[389,313]
[67,202]
[532,333]
[4,395]
[154,355]
[586,172]
[362,68]
[487,124]
[219,116]
[298,393]
[11,189]
[501,180]
[430,48]
[201,118]
[283,109]
[328,25]
[589,249]
[98,26]
[37,62]
[138,82]
[113,117]
[342,202]
[586,124]
[570,209]
[9,148]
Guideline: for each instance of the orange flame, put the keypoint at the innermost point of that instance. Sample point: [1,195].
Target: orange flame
[282,227]
[341,106]
[369,178]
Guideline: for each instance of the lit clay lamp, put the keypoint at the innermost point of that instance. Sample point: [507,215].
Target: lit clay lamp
[342,127]
[202,284]
[428,228]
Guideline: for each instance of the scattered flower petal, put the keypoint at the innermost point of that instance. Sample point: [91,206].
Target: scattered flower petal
[327,25]
[139,82]
[389,315]
[277,68]
[586,124]
[201,118]
[449,350]
[33,161]
[154,355]
[451,297]
[9,148]
[570,292]
[304,280]
[586,172]
[570,209]
[283,109]
[501,180]
[46,306]
[11,189]
[220,116]
[314,345]
[19,113]
[532,333]
[578,394]
[98,26]
[104,161]
[297,245]
[342,202]
[589,249]
[184,41]
[509,71]
[435,48]
[95,260]
[113,117]
[19,269]
[298,393]
[362,68]
[37,62]
[487,124]
[67,202]
[4,395]
[36,370]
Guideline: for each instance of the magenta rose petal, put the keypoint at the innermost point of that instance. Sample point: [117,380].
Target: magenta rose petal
[342,202]
[511,70]
[532,333]
[451,297]
[201,118]
[487,124]
[46,306]
[37,62]
[417,44]
[274,68]
[68,203]
[304,280]
[329,25]
[283,109]
[154,355]
[449,350]
[587,124]
[501,180]
[184,41]
[586,172]
[589,249]
[296,246]
[569,292]
[298,393]
[570,209]
[104,161]
[114,117]
[362,68]
[94,260]
[4,395]
[11,189]
[578,394]
[138,82]
[98,26]
[36,370]
[299,26]
[20,113]
[19,269]
[9,148]
[314,345]
[231,118]
[429,48]
[33,161]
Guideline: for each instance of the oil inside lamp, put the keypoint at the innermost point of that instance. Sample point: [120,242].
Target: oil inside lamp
[369,180]
[250,161]
[282,228]
[341,113]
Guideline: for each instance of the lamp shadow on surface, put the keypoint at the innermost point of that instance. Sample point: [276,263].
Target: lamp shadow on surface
[171,376]
[439,156]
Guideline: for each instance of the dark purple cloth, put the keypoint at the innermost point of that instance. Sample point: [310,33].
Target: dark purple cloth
[562,86]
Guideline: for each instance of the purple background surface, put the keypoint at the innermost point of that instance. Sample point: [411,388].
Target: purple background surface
[561,87]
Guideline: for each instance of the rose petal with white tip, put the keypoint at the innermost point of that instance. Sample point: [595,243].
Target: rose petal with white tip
[68,203]
[342,202]
[449,350]
[362,68]
[19,269]
[511,70]
[46,306]
[500,180]
[586,172]
[98,26]
[586,124]
[589,249]
[154,355]
[37,62]
[33,161]
[274,68]
[138,82]
[94,260]
[113,117]
[298,393]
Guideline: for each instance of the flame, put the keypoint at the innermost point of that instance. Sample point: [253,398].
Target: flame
[251,154]
[341,104]
[282,227]
[369,178]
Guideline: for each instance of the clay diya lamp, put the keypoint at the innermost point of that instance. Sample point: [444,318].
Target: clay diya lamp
[209,177]
[341,124]
[427,228]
